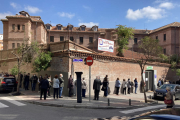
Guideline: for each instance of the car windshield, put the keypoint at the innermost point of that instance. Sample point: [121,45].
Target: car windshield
[9,80]
[167,85]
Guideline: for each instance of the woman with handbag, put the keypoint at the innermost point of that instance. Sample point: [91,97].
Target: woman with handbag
[168,100]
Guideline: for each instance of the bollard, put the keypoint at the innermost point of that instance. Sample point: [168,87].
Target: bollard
[129,102]
[79,97]
[108,102]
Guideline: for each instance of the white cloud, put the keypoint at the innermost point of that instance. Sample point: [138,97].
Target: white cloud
[31,9]
[167,5]
[3,15]
[68,15]
[86,7]
[146,12]
[14,5]
[90,24]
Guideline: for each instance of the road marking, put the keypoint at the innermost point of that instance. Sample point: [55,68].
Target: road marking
[142,109]
[3,105]
[13,101]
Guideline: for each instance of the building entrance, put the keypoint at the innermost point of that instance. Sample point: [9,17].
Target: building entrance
[149,80]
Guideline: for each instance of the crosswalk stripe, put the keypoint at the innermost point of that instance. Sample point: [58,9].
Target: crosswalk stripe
[142,109]
[13,101]
[3,105]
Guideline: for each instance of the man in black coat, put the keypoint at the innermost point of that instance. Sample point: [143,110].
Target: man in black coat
[44,86]
[26,80]
[34,81]
[96,86]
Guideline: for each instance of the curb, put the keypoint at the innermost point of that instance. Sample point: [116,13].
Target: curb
[85,106]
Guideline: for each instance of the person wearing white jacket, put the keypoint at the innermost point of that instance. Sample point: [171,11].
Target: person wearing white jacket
[56,86]
[124,85]
[84,87]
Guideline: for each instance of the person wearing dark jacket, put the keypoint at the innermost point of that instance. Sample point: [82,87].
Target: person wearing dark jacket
[44,86]
[21,78]
[26,79]
[135,85]
[70,86]
[34,81]
[96,86]
[105,86]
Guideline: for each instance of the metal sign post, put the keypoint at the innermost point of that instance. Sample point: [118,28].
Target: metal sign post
[89,61]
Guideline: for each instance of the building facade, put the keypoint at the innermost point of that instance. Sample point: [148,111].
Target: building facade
[1,41]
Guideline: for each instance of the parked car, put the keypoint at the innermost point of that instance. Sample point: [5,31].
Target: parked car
[8,83]
[161,91]
[158,117]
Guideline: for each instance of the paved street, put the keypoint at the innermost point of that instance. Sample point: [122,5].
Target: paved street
[12,109]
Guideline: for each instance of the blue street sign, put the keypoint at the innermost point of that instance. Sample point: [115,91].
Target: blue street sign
[77,60]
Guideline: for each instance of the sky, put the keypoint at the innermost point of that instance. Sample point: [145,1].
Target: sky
[139,14]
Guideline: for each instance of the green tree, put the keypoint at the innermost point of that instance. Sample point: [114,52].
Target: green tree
[150,49]
[124,34]
[24,54]
[42,62]
[14,70]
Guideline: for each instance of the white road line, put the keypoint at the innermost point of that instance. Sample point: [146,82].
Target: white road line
[3,105]
[13,101]
[142,109]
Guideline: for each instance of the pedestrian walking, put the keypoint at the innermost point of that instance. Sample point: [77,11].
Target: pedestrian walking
[135,85]
[105,86]
[61,85]
[39,80]
[124,85]
[70,86]
[84,87]
[44,86]
[169,98]
[34,80]
[49,80]
[96,86]
[56,86]
[26,79]
[129,85]
[117,86]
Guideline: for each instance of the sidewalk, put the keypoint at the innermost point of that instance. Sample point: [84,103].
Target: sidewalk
[116,102]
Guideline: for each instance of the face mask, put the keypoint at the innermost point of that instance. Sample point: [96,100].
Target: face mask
[34,75]
[62,75]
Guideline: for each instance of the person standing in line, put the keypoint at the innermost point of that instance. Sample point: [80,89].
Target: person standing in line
[44,86]
[117,86]
[34,81]
[159,82]
[84,87]
[56,86]
[70,86]
[26,79]
[39,80]
[169,96]
[124,85]
[49,80]
[96,86]
[105,86]
[135,85]
[21,78]
[61,85]
[129,85]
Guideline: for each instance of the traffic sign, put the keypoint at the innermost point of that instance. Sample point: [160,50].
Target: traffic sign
[89,61]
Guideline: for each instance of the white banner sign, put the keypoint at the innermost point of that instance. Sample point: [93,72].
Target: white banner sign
[105,45]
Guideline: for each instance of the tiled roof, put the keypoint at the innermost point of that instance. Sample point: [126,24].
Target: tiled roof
[166,26]
[17,16]
[136,31]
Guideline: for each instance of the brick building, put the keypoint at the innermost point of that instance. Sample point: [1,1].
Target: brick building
[69,42]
